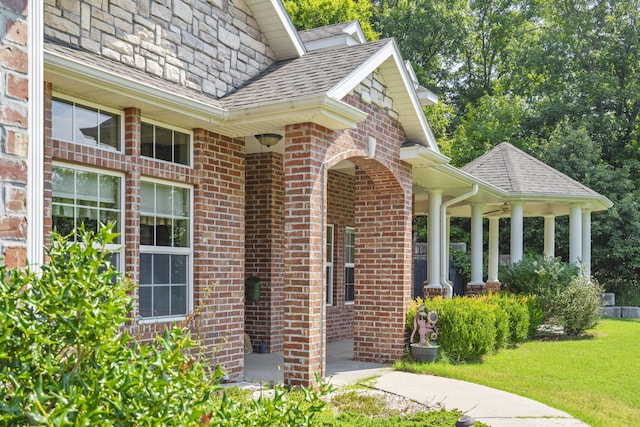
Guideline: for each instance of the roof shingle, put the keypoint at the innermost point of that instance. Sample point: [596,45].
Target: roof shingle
[514,171]
[315,73]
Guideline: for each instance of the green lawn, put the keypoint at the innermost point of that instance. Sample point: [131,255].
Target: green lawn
[595,379]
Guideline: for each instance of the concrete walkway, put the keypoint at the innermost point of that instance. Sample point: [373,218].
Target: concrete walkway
[493,407]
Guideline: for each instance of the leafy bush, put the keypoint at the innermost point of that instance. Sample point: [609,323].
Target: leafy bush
[544,277]
[578,307]
[65,358]
[470,328]
[536,316]
[518,315]
[467,327]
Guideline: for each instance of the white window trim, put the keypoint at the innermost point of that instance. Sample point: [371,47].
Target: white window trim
[349,264]
[172,127]
[329,265]
[95,105]
[171,250]
[115,247]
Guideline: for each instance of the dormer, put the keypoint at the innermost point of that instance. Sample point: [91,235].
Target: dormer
[331,36]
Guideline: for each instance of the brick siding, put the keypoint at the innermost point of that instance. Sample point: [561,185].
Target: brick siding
[217,179]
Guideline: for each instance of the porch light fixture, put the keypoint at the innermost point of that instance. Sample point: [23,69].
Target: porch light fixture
[268,139]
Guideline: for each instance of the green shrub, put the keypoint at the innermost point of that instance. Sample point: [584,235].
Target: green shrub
[536,316]
[518,315]
[546,278]
[467,327]
[65,358]
[578,307]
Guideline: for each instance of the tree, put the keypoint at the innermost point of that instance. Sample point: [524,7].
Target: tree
[307,14]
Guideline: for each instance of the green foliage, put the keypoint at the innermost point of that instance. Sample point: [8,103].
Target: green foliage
[563,295]
[308,14]
[461,261]
[541,276]
[579,306]
[441,418]
[66,358]
[470,328]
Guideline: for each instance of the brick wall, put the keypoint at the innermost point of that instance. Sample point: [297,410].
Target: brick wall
[340,213]
[13,132]
[217,180]
[213,47]
[264,248]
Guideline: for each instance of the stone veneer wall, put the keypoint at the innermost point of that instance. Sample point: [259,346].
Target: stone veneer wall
[210,46]
[13,131]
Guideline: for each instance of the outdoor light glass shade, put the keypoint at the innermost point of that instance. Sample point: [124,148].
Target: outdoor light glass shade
[268,139]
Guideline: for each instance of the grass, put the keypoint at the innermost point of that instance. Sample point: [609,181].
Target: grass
[596,378]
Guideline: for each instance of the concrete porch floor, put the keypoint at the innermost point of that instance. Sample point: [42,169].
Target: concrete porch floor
[340,366]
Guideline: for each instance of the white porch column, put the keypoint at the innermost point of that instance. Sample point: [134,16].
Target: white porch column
[476,244]
[549,236]
[575,234]
[494,249]
[433,247]
[586,243]
[517,215]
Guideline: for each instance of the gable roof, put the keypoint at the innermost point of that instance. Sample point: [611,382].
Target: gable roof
[312,74]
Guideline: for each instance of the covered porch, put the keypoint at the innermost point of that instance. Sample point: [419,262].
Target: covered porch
[503,183]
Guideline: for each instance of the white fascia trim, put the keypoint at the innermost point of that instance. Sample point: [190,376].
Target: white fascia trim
[422,155]
[81,72]
[288,26]
[329,42]
[595,202]
[316,105]
[355,29]
[35,155]
[388,51]
[470,179]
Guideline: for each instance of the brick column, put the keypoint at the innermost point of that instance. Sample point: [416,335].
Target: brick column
[383,265]
[218,248]
[264,247]
[304,311]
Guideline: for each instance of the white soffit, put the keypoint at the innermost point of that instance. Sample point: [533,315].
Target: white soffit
[406,101]
[277,27]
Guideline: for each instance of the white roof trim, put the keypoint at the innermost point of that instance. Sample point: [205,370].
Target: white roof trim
[277,27]
[389,53]
[126,86]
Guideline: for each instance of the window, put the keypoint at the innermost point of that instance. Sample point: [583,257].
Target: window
[85,197]
[82,124]
[349,266]
[165,250]
[165,144]
[329,265]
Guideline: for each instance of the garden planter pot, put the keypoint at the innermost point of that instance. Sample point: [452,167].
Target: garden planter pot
[424,353]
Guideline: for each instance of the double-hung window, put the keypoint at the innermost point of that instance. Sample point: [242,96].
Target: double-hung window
[83,196]
[349,266]
[85,124]
[165,250]
[329,265]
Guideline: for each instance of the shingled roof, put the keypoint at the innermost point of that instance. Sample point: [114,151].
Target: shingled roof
[516,172]
[312,74]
